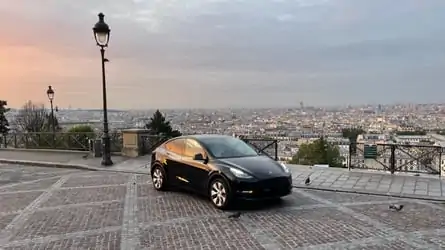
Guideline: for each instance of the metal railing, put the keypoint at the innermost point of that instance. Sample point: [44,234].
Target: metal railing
[265,146]
[398,158]
[81,142]
[151,142]
[60,140]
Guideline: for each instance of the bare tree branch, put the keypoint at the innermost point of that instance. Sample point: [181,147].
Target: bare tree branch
[32,118]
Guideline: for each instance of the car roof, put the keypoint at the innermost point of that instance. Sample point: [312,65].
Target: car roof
[199,137]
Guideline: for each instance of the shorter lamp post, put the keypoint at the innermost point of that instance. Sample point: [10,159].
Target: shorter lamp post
[50,93]
[101,32]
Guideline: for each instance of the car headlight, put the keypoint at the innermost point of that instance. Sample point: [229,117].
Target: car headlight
[285,168]
[240,174]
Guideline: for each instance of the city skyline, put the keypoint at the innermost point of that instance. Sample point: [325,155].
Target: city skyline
[216,53]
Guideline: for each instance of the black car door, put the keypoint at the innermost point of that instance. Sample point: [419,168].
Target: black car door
[196,171]
[173,162]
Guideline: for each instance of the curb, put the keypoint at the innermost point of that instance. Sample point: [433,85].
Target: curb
[67,165]
[350,191]
[48,164]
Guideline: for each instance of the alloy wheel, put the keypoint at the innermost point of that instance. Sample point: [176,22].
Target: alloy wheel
[157,178]
[218,194]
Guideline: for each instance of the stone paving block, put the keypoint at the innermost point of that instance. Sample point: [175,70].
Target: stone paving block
[301,228]
[413,217]
[147,190]
[13,202]
[421,192]
[395,188]
[162,208]
[105,241]
[210,233]
[407,191]
[24,173]
[38,185]
[143,179]
[435,194]
[69,220]
[85,195]
[436,240]
[96,180]
[390,245]
[5,220]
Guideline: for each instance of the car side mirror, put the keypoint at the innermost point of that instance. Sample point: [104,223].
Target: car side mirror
[198,157]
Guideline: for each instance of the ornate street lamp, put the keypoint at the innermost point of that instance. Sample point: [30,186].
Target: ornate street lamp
[50,94]
[101,32]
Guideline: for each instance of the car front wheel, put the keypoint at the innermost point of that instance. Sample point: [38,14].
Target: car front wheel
[158,178]
[220,194]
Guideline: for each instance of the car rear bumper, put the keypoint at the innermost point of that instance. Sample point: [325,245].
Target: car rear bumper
[264,189]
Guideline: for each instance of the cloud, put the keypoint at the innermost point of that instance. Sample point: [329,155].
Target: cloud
[252,53]
[285,17]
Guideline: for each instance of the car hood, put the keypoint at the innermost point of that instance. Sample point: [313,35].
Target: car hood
[258,166]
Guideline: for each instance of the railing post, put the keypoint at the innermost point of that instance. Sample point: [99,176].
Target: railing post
[54,139]
[276,149]
[440,161]
[392,166]
[350,156]
[15,140]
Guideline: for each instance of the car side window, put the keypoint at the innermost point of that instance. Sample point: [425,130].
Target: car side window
[192,147]
[176,146]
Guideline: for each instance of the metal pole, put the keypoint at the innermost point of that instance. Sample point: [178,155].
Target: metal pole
[106,156]
[53,127]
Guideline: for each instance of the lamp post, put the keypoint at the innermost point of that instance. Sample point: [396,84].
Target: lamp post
[50,93]
[101,32]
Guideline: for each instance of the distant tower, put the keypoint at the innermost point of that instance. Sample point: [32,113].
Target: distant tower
[301,105]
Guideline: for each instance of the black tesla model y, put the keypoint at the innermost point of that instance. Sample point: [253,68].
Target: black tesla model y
[222,167]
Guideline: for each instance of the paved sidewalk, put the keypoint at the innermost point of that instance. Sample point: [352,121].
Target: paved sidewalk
[74,159]
[430,187]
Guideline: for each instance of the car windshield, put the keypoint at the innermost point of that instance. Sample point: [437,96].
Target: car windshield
[227,147]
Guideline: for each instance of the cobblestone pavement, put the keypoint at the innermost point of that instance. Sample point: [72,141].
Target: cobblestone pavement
[44,208]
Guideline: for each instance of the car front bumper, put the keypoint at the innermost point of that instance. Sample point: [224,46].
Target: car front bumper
[263,189]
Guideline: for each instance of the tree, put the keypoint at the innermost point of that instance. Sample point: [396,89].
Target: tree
[49,124]
[158,125]
[318,152]
[4,124]
[34,118]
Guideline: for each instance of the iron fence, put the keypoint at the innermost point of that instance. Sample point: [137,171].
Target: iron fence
[397,158]
[81,142]
[265,146]
[151,142]
[60,140]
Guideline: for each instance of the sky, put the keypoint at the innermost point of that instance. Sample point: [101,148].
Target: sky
[224,53]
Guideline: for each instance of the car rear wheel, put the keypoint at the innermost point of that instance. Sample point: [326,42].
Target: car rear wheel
[158,178]
[220,194]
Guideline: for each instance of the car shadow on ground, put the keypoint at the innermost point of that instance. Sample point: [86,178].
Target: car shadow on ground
[242,205]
